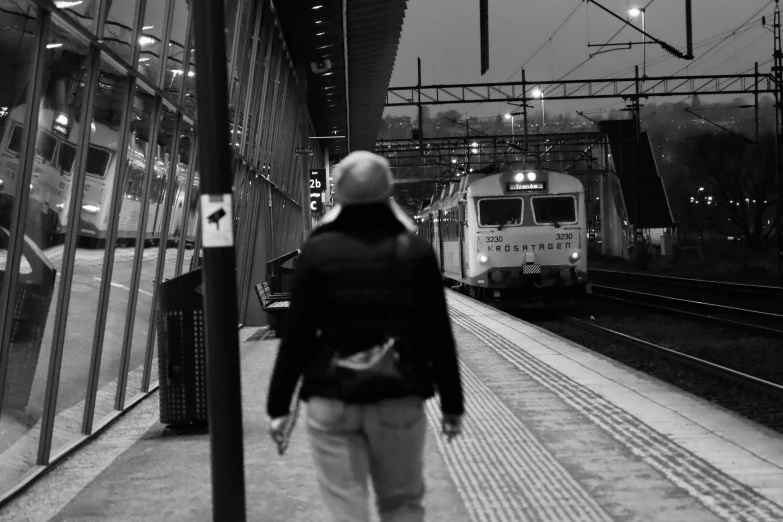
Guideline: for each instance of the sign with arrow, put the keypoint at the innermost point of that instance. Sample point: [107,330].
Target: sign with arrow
[217,228]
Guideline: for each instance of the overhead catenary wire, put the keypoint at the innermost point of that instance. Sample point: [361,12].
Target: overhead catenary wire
[703,56]
[600,48]
[535,53]
[740,29]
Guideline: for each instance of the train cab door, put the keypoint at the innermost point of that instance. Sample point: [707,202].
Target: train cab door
[461,223]
[441,231]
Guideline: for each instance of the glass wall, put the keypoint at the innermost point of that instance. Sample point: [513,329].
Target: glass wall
[99,191]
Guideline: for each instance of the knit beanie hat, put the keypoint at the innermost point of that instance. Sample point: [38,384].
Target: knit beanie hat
[362,178]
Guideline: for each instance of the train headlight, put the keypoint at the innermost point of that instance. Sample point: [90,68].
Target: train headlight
[531,176]
[91,209]
[574,257]
[520,176]
[483,258]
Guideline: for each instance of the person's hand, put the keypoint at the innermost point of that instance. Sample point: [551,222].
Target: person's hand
[452,426]
[277,428]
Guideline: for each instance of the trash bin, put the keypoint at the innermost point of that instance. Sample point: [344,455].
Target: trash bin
[35,288]
[182,357]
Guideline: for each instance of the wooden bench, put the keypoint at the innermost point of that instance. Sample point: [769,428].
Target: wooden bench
[275,305]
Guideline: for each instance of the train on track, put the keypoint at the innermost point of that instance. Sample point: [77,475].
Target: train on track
[517,238]
[50,190]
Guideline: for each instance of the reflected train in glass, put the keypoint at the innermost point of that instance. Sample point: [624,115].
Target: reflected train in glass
[50,191]
[517,237]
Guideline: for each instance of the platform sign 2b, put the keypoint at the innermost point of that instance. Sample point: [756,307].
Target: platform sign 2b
[317,188]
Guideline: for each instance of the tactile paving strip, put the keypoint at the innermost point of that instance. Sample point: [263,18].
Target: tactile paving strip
[502,471]
[720,493]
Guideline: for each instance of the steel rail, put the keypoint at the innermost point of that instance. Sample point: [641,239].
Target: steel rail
[725,308]
[698,283]
[711,318]
[723,372]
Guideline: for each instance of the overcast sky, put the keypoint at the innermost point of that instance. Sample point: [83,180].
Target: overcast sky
[445,35]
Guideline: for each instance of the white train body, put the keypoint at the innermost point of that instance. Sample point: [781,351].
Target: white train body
[50,190]
[517,236]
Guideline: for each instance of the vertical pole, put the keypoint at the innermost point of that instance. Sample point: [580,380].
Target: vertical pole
[689,29]
[778,70]
[524,115]
[637,124]
[756,99]
[219,268]
[644,45]
[421,120]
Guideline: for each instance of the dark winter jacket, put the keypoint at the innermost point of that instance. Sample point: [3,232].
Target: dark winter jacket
[349,290]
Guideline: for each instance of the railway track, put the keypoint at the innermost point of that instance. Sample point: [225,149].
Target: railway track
[702,284]
[755,320]
[754,308]
[702,365]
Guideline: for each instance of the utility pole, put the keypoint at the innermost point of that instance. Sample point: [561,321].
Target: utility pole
[777,70]
[421,119]
[637,123]
[224,397]
[524,113]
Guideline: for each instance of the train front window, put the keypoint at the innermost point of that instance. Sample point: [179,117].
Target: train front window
[44,146]
[15,141]
[554,210]
[66,157]
[500,212]
[97,161]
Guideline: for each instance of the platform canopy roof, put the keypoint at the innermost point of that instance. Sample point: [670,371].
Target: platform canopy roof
[329,36]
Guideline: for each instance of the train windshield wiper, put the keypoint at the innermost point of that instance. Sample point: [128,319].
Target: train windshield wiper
[508,222]
[555,223]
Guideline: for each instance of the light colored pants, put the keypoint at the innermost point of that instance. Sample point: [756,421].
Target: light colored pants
[384,441]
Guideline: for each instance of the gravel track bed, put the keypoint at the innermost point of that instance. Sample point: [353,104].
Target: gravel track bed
[755,355]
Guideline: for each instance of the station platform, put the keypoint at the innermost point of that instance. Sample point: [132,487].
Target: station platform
[553,432]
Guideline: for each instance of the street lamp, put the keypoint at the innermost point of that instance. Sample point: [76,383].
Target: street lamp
[538,93]
[511,117]
[633,13]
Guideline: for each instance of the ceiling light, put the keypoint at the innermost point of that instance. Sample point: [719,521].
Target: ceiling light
[53,45]
[319,21]
[148,27]
[146,40]
[320,34]
[317,7]
[64,4]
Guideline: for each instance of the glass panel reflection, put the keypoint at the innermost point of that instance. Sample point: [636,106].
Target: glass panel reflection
[56,141]
[102,164]
[175,68]
[19,430]
[83,11]
[138,155]
[152,235]
[151,39]
[118,30]
[189,101]
[186,222]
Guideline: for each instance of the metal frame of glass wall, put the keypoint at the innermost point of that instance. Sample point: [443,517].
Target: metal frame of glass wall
[93,215]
